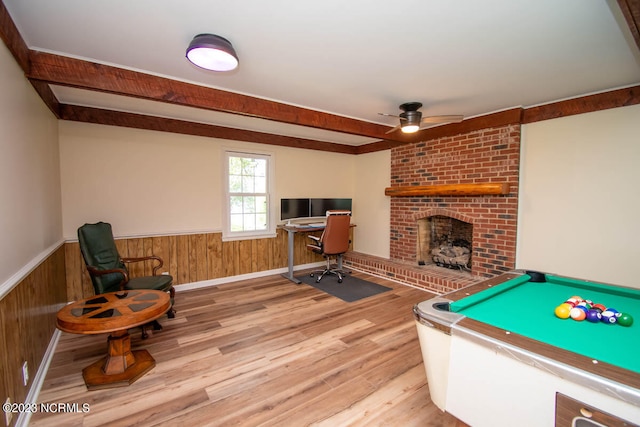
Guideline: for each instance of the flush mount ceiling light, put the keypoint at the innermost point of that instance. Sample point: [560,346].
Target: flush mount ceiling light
[212,52]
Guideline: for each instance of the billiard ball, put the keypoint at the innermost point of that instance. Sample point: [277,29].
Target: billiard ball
[599,307]
[594,316]
[577,313]
[562,311]
[625,319]
[584,304]
[609,316]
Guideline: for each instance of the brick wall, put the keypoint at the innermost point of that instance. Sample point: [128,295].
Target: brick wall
[489,155]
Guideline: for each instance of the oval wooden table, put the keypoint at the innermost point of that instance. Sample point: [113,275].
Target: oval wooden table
[115,313]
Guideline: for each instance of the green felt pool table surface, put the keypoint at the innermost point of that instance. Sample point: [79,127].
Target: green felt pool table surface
[525,307]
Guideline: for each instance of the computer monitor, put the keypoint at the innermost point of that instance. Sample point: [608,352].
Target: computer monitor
[319,207]
[294,208]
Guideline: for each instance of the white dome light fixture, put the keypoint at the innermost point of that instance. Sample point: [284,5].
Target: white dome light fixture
[212,53]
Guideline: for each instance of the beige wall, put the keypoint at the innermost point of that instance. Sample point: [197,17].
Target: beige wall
[148,183]
[30,218]
[373,175]
[580,196]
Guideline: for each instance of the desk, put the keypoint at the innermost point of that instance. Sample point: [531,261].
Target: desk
[115,312]
[291,232]
[500,351]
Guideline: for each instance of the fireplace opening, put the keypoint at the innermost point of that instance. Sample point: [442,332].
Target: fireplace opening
[445,242]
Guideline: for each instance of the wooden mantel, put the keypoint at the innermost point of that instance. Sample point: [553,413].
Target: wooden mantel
[481,189]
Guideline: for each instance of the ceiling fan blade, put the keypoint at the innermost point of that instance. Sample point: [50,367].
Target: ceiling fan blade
[393,130]
[388,115]
[443,119]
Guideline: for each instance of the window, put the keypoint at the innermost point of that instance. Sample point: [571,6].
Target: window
[248,183]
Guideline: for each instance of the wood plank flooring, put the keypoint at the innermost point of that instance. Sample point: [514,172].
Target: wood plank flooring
[261,352]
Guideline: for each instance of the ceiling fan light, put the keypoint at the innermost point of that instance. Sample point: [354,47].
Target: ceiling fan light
[212,52]
[410,120]
[410,128]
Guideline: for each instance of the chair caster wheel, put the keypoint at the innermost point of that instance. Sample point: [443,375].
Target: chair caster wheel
[339,280]
[311,275]
[318,280]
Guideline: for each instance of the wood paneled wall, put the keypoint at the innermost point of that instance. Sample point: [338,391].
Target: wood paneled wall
[194,257]
[27,323]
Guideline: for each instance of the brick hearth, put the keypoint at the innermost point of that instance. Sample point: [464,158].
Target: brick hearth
[430,278]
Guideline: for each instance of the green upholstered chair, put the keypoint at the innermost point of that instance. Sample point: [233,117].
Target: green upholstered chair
[108,271]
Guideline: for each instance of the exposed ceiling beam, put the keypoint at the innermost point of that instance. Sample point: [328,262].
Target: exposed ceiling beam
[140,121]
[584,104]
[631,12]
[12,39]
[65,71]
[15,43]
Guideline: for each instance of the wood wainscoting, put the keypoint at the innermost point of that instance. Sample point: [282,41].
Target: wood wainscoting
[195,257]
[27,323]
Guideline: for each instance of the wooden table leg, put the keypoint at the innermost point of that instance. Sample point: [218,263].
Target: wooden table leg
[120,367]
[119,356]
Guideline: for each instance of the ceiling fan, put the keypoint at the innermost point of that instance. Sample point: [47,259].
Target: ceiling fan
[411,119]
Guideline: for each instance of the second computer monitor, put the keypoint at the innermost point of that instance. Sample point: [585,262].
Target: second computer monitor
[319,207]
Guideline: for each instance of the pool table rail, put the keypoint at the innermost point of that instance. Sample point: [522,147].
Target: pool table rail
[484,285]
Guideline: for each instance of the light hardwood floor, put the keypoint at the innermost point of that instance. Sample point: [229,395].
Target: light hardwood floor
[261,352]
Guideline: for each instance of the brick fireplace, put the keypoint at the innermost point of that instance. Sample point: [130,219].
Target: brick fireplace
[489,156]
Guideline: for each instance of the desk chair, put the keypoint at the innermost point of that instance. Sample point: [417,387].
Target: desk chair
[333,242]
[108,270]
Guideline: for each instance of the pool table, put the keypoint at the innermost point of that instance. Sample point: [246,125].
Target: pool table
[495,350]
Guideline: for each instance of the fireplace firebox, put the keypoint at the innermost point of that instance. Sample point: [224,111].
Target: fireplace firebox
[445,242]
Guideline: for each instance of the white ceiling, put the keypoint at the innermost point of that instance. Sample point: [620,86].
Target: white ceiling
[351,58]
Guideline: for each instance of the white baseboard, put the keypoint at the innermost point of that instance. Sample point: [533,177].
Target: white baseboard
[230,279]
[38,380]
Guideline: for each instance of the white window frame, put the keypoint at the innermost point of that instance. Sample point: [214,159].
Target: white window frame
[270,232]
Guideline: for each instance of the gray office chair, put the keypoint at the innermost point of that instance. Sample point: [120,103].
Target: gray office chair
[333,242]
